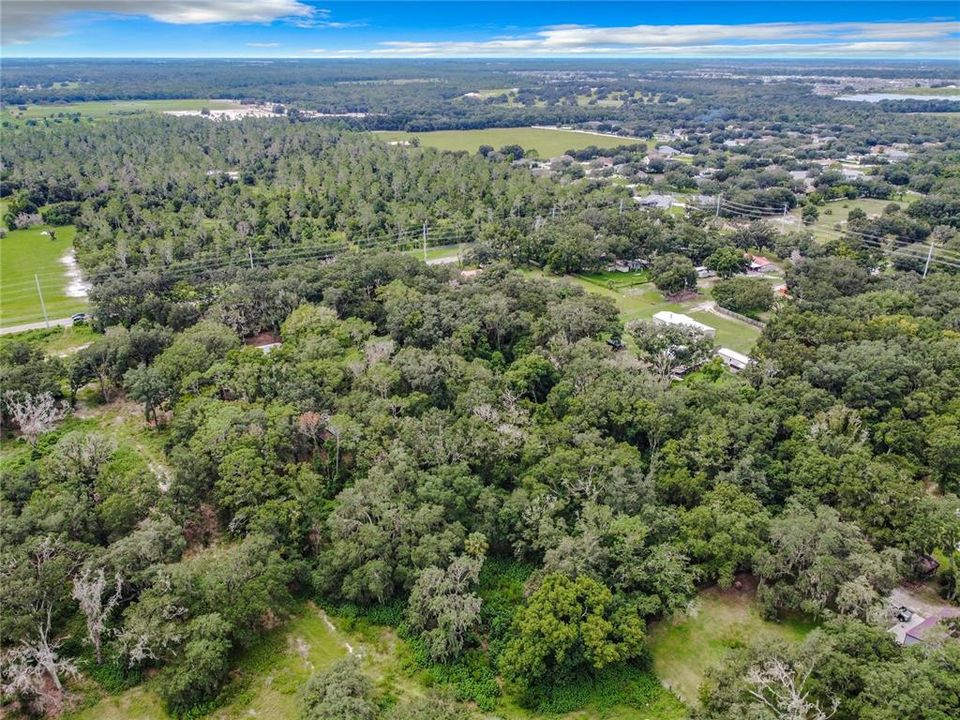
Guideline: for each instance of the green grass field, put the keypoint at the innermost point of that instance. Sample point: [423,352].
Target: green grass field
[685,647]
[548,143]
[24,253]
[106,109]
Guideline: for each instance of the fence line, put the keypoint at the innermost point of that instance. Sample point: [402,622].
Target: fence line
[737,316]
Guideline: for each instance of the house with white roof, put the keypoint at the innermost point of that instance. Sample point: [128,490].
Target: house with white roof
[665,317]
[733,359]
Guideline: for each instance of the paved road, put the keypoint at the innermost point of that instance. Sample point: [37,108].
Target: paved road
[59,322]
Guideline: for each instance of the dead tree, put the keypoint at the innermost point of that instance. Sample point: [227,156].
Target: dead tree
[33,414]
[782,689]
[26,668]
[88,591]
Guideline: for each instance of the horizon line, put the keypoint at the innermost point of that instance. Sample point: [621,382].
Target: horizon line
[496,58]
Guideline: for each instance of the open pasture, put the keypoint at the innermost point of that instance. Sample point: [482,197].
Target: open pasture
[548,142]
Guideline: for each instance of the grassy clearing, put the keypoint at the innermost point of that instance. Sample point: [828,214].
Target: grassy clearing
[59,341]
[641,302]
[106,109]
[266,679]
[601,101]
[547,142]
[832,213]
[440,252]
[616,280]
[685,647]
[25,253]
[264,683]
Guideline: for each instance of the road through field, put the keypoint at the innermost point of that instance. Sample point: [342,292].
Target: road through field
[59,322]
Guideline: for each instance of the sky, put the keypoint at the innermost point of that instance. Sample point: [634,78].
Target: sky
[545,29]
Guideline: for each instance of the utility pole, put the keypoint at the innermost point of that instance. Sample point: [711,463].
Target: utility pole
[43,305]
[621,206]
[926,265]
[784,209]
[424,240]
[250,257]
[718,205]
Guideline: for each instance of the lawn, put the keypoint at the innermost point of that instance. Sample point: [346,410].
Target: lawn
[25,253]
[685,647]
[641,302]
[616,280]
[100,109]
[547,142]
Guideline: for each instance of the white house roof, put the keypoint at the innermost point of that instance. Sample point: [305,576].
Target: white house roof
[728,354]
[672,318]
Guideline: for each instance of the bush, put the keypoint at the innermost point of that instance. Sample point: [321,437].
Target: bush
[621,685]
[341,692]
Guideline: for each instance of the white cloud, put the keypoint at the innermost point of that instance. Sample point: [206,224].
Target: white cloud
[673,35]
[26,20]
[342,52]
[903,39]
[263,45]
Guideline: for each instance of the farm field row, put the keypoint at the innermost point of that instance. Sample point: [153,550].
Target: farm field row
[548,142]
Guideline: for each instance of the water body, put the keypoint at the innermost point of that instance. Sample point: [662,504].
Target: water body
[879,97]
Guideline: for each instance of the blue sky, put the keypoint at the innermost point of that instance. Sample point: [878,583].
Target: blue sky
[312,28]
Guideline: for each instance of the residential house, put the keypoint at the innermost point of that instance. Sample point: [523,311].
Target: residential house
[658,201]
[733,360]
[666,317]
[760,264]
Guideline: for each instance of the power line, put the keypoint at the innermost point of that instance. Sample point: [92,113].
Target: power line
[898,250]
[749,206]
